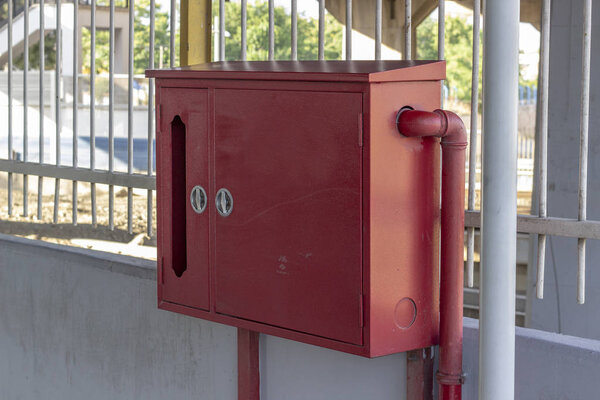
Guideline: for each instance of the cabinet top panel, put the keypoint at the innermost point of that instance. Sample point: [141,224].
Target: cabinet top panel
[328,71]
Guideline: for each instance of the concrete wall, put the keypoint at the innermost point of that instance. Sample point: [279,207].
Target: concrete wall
[559,311]
[77,324]
[549,366]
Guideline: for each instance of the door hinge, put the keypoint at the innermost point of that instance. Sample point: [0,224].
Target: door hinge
[360,130]
[161,269]
[361,311]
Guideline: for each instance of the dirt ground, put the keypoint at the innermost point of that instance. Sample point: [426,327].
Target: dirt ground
[84,234]
[65,232]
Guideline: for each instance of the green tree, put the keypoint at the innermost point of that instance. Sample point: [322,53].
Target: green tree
[141,39]
[458,43]
[34,54]
[34,49]
[522,81]
[427,39]
[162,33]
[102,44]
[258,34]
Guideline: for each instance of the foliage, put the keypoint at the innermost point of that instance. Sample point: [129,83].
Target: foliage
[3,11]
[118,3]
[522,81]
[141,39]
[458,52]
[162,32]
[458,41]
[258,34]
[34,54]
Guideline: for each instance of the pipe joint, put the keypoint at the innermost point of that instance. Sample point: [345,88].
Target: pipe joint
[440,123]
[450,379]
[455,133]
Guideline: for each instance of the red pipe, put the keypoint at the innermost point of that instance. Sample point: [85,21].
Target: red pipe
[450,128]
[248,365]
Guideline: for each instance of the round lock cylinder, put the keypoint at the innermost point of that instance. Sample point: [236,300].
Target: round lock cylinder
[198,199]
[224,202]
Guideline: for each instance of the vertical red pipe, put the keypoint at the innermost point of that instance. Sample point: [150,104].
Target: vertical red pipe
[248,365]
[451,276]
[450,128]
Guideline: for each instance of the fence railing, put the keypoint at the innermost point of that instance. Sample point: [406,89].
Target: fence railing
[134,178]
[93,175]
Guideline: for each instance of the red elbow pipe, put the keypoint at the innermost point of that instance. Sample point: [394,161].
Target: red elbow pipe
[450,128]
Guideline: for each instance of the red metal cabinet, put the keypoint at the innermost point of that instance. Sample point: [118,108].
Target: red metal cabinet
[289,204]
[182,163]
[295,227]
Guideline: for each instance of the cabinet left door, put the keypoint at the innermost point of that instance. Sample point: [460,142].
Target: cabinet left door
[183,197]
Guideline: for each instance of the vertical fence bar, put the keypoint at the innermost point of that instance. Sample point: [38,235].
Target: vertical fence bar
[378,17]
[321,29]
[441,28]
[111,103]
[543,143]
[75,103]
[93,106]
[150,118]
[41,105]
[57,102]
[407,29]
[173,26]
[9,183]
[441,37]
[473,140]
[271,29]
[244,19]
[499,206]
[348,29]
[221,30]
[294,54]
[130,116]
[583,143]
[25,103]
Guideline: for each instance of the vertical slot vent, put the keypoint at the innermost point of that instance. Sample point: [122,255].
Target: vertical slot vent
[178,196]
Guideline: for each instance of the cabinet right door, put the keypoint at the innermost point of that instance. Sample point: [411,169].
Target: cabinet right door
[288,242]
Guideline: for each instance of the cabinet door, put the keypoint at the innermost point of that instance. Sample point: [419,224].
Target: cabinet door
[289,254]
[183,225]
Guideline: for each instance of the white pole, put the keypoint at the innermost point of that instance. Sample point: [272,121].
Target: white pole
[499,211]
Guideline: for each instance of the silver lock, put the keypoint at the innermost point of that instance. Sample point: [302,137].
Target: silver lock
[224,202]
[198,199]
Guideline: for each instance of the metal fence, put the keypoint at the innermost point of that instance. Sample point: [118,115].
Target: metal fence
[25,166]
[321,37]
[500,309]
[540,224]
[92,175]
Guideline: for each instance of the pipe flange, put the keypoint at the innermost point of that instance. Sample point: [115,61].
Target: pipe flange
[450,379]
[400,111]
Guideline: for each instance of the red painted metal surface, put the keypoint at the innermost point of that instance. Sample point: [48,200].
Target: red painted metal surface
[326,71]
[333,238]
[419,374]
[182,160]
[294,236]
[450,128]
[248,365]
[404,219]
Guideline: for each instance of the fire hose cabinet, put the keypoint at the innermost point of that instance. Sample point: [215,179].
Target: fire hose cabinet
[288,203]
